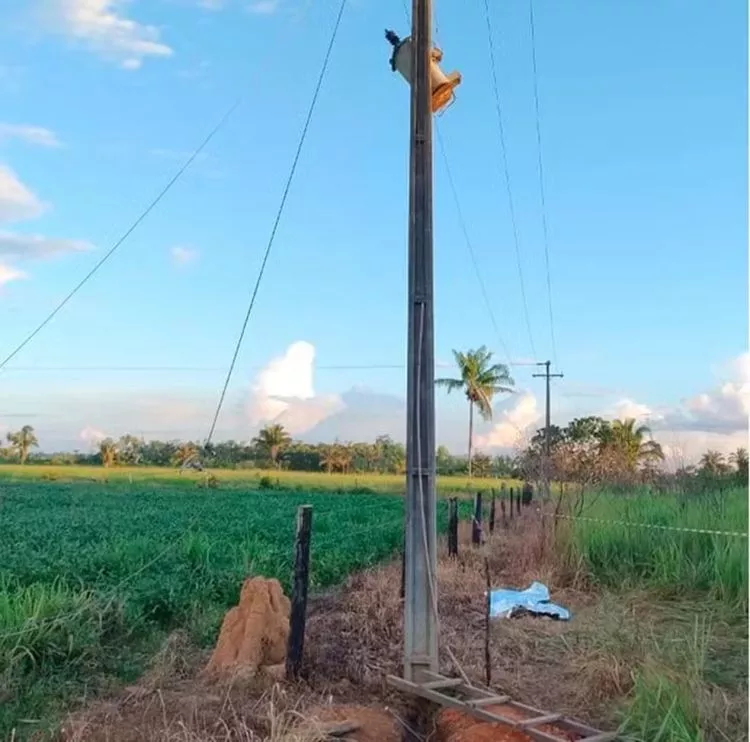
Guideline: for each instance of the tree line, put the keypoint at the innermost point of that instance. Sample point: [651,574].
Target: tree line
[587,451]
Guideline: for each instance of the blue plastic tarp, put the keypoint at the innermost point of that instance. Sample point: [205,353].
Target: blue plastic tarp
[506,603]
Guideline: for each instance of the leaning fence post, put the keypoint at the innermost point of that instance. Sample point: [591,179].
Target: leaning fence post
[476,523]
[298,614]
[492,513]
[453,527]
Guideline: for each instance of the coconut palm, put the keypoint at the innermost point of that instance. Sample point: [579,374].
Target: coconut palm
[627,440]
[185,455]
[713,462]
[108,452]
[22,441]
[480,380]
[740,459]
[271,441]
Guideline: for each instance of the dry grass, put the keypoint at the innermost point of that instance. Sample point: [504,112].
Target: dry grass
[585,668]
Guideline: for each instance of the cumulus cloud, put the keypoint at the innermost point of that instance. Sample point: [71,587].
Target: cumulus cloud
[283,392]
[515,422]
[92,436]
[17,201]
[30,134]
[627,408]
[101,26]
[8,274]
[183,255]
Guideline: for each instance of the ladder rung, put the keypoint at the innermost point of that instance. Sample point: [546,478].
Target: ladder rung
[604,737]
[488,701]
[444,683]
[547,719]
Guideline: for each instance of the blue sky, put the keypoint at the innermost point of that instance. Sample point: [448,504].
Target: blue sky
[644,131]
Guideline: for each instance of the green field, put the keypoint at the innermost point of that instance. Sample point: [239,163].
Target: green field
[246,478]
[92,576]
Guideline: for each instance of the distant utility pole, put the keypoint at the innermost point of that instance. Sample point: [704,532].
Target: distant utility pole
[546,460]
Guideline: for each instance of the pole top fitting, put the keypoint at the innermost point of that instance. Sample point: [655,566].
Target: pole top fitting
[392,37]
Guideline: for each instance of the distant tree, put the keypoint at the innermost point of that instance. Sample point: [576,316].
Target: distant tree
[129,450]
[482,464]
[713,464]
[271,441]
[108,452]
[22,441]
[185,454]
[480,380]
[740,460]
[626,440]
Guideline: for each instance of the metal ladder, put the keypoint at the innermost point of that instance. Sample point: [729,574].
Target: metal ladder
[457,694]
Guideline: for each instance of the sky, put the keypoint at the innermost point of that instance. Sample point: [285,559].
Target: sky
[643,123]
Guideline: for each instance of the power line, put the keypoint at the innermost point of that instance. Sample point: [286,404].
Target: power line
[541,180]
[279,213]
[506,171]
[470,246]
[151,206]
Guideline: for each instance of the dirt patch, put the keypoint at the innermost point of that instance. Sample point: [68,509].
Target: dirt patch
[253,633]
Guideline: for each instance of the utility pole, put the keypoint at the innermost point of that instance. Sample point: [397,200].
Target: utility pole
[420,619]
[547,442]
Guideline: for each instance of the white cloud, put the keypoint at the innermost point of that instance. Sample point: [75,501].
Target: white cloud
[37,247]
[283,392]
[31,134]
[8,273]
[627,408]
[183,255]
[17,202]
[92,436]
[101,26]
[264,7]
[514,423]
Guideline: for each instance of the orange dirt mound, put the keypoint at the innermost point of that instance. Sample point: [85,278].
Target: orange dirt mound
[375,725]
[457,726]
[253,633]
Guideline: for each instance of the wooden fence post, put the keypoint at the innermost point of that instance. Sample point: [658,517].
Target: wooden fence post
[476,524]
[518,503]
[453,527]
[298,614]
[502,510]
[492,513]
[511,503]
[487,625]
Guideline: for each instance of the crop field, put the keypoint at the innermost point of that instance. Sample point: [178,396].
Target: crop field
[92,576]
[246,478]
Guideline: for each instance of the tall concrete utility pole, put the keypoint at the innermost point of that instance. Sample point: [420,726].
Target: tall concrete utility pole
[420,619]
[546,461]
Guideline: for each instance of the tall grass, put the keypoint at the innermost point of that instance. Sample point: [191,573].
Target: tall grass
[616,552]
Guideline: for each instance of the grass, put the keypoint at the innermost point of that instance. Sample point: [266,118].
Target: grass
[681,684]
[677,562]
[244,478]
[93,577]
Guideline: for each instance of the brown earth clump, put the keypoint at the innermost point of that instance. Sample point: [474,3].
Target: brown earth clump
[375,724]
[457,726]
[254,633]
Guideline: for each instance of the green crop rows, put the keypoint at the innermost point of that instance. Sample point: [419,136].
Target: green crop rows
[92,576]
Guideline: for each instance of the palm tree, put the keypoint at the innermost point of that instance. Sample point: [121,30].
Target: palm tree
[480,381]
[108,452]
[626,439]
[22,441]
[272,440]
[712,462]
[185,454]
[740,459]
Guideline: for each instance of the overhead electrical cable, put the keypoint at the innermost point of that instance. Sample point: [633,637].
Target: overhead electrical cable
[506,171]
[470,248]
[151,206]
[277,220]
[541,181]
